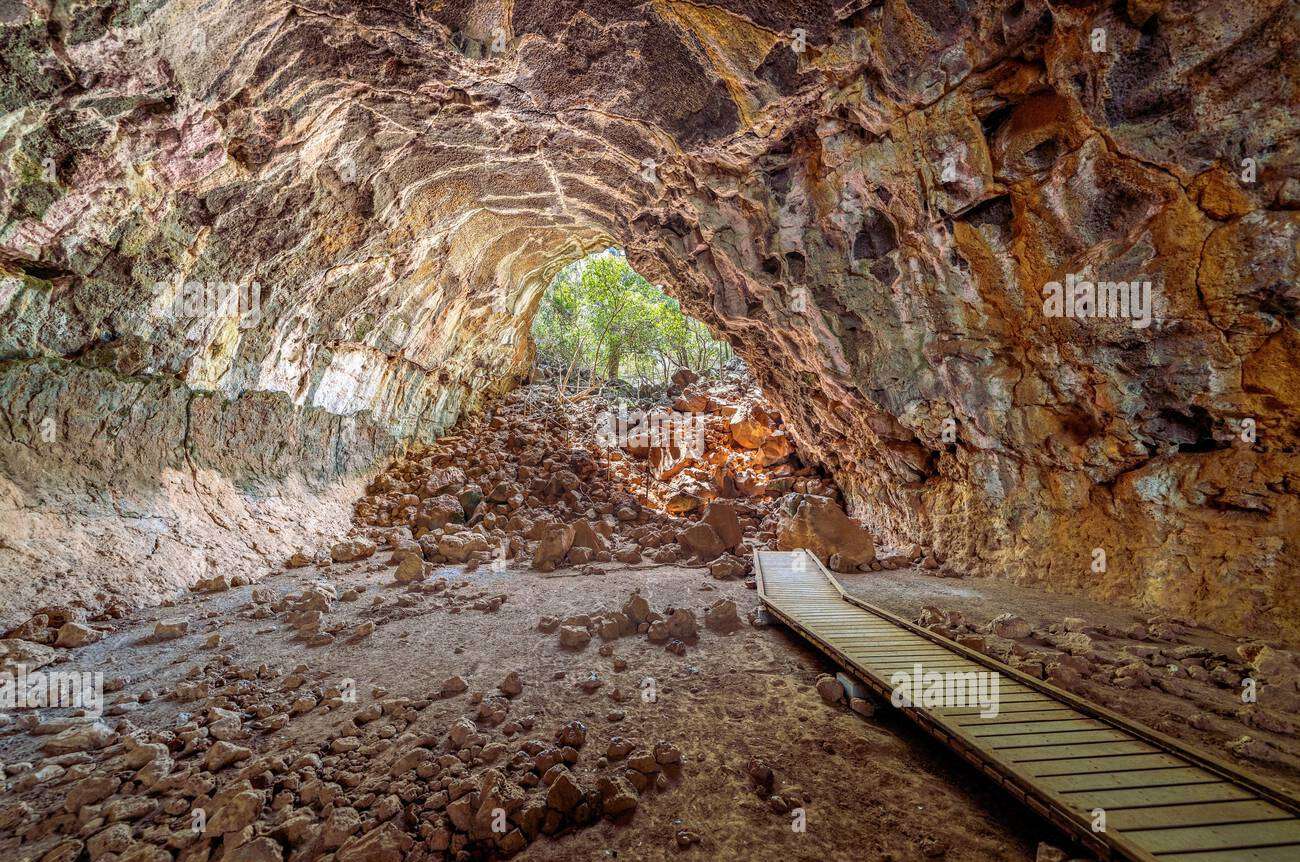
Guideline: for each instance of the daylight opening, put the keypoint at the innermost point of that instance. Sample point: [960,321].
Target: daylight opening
[602,323]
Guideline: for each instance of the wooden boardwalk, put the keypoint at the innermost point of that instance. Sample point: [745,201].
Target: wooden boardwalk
[1066,758]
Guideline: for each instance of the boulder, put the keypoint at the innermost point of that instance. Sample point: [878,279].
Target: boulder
[637,608]
[728,567]
[459,547]
[722,616]
[258,850]
[75,635]
[1009,626]
[721,516]
[830,689]
[386,843]
[775,449]
[410,570]
[170,629]
[554,544]
[453,685]
[512,685]
[565,792]
[574,637]
[214,584]
[862,707]
[751,425]
[682,625]
[350,550]
[821,526]
[617,796]
[90,736]
[223,754]
[90,790]
[702,542]
[684,377]
[437,512]
[585,536]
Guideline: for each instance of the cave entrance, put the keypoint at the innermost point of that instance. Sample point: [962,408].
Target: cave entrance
[672,416]
[602,324]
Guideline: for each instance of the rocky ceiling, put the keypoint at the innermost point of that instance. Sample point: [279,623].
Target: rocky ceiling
[247,246]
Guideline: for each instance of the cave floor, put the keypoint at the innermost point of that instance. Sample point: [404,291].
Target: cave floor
[877,788]
[874,788]
[1196,712]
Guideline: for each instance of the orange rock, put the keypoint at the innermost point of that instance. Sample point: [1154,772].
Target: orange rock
[821,526]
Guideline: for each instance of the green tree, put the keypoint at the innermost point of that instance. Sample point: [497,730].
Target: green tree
[603,318]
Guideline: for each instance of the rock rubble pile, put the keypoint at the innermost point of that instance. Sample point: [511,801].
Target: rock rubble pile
[700,478]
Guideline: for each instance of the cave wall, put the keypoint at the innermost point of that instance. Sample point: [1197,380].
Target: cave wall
[865,197]
[907,221]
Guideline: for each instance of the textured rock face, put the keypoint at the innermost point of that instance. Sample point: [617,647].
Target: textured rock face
[142,486]
[818,524]
[868,199]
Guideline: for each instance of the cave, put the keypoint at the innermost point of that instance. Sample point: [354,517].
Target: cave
[334,567]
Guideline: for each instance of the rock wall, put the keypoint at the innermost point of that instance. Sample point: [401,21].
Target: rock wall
[867,198]
[122,489]
[882,258]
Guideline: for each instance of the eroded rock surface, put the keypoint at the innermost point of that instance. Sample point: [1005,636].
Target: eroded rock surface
[867,199]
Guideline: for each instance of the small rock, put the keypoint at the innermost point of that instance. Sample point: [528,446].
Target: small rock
[512,685]
[574,637]
[1009,626]
[75,635]
[830,689]
[351,550]
[453,685]
[171,629]
[723,617]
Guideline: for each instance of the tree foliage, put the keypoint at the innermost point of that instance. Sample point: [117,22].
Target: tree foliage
[600,319]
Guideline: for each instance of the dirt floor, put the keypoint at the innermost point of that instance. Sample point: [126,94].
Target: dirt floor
[872,788]
[1206,713]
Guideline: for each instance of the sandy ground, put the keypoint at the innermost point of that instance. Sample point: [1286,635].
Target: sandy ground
[876,788]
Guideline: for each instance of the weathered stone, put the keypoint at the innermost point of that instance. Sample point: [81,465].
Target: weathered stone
[564,794]
[76,634]
[701,541]
[350,550]
[223,754]
[820,526]
[512,685]
[90,790]
[750,426]
[410,570]
[721,516]
[166,630]
[722,616]
[728,567]
[16,653]
[552,547]
[830,689]
[453,685]
[617,796]
[574,637]
[1009,626]
[386,843]
[90,736]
